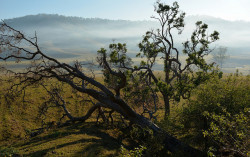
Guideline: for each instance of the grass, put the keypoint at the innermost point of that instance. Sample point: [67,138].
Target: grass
[86,139]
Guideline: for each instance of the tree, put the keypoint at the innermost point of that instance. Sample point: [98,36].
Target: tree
[158,45]
[220,55]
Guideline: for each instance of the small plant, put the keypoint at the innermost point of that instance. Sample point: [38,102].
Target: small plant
[4,151]
[145,137]
[137,152]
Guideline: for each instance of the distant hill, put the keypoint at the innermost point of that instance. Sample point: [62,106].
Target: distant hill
[74,37]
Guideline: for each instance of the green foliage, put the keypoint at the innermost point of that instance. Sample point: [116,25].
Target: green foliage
[176,19]
[137,152]
[117,55]
[145,137]
[229,132]
[198,46]
[219,110]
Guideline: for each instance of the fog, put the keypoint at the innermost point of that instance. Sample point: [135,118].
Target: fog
[74,37]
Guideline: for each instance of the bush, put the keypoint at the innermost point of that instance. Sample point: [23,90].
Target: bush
[144,138]
[218,110]
[229,133]
[137,152]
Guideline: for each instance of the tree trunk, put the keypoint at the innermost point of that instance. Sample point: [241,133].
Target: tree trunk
[170,143]
[166,105]
[167,65]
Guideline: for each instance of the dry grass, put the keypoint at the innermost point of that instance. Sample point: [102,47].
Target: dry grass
[86,139]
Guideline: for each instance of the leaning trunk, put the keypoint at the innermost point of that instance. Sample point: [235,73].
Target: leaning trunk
[170,143]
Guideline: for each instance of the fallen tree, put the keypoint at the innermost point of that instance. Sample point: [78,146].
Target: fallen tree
[44,67]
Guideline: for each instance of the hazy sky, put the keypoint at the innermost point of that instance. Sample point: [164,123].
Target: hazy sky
[123,9]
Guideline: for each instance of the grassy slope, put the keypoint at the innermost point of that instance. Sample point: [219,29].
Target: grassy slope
[18,119]
[87,139]
[78,140]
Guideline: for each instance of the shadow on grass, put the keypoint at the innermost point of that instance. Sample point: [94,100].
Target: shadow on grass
[97,142]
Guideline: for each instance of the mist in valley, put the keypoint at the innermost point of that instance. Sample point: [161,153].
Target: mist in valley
[75,38]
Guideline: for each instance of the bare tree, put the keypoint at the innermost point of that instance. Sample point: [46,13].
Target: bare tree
[220,55]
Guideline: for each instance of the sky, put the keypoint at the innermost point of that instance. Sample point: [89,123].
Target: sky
[123,9]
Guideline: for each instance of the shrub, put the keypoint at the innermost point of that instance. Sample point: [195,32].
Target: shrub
[229,133]
[137,152]
[143,137]
[218,113]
